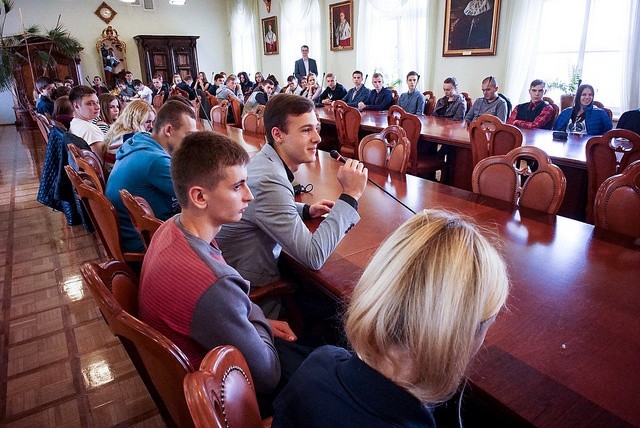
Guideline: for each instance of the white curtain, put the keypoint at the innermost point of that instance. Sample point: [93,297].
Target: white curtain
[630,80]
[393,36]
[524,18]
[245,43]
[301,25]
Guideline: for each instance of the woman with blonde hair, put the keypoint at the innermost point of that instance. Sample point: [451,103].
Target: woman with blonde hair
[416,318]
[137,116]
[313,88]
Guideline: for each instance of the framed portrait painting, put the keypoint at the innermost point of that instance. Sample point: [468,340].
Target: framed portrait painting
[471,27]
[113,53]
[341,23]
[270,35]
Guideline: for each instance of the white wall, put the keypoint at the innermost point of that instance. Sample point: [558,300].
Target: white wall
[204,18]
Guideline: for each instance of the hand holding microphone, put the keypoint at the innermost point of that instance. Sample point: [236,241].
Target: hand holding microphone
[352,175]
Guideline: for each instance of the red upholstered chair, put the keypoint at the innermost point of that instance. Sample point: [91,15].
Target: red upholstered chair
[608,155]
[348,125]
[510,178]
[429,102]
[178,92]
[236,108]
[389,149]
[221,393]
[253,121]
[142,216]
[617,205]
[158,101]
[490,137]
[467,99]
[161,365]
[601,106]
[103,216]
[421,162]
[396,97]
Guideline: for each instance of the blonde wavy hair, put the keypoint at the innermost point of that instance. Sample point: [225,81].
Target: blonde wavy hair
[132,119]
[421,309]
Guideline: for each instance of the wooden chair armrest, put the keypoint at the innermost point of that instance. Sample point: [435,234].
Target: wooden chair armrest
[275,289]
[133,257]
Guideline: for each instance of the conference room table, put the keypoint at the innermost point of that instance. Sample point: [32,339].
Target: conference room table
[565,350]
[569,155]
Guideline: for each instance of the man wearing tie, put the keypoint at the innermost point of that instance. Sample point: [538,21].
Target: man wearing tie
[305,64]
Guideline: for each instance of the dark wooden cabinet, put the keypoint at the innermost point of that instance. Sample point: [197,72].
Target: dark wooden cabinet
[167,55]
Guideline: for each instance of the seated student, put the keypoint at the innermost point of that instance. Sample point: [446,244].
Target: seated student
[259,77]
[292,86]
[137,116]
[143,92]
[380,98]
[630,120]
[246,85]
[187,291]
[452,105]
[313,89]
[333,91]
[218,81]
[229,91]
[490,103]
[583,117]
[183,86]
[86,108]
[412,101]
[109,112]
[537,113]
[159,88]
[98,86]
[259,97]
[201,83]
[415,320]
[142,167]
[303,85]
[45,87]
[359,92]
[129,90]
[276,84]
[274,220]
[63,110]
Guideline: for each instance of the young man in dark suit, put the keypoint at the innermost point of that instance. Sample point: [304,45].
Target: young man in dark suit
[305,64]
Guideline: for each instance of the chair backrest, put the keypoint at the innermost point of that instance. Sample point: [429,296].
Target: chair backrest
[88,162]
[161,365]
[396,97]
[412,127]
[617,205]
[490,137]
[253,121]
[429,102]
[525,177]
[158,100]
[348,126]
[142,216]
[236,108]
[467,99]
[101,211]
[113,285]
[601,106]
[218,114]
[556,108]
[389,149]
[608,155]
[177,91]
[508,102]
[213,100]
[43,125]
[221,393]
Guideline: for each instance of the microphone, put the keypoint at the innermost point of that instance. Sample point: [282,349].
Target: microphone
[337,156]
[365,79]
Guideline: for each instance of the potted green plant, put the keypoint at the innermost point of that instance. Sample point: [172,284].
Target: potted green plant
[35,49]
[568,88]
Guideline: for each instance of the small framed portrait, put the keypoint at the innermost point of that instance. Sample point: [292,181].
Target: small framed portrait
[471,27]
[341,23]
[270,35]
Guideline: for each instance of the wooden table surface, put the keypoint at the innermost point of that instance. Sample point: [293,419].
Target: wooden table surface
[566,349]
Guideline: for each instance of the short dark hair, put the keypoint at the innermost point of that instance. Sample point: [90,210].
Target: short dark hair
[304,46]
[413,73]
[62,91]
[201,161]
[357,72]
[171,112]
[267,82]
[136,82]
[218,76]
[452,80]
[377,75]
[42,82]
[280,107]
[538,82]
[292,78]
[273,79]
[490,81]
[77,92]
[128,72]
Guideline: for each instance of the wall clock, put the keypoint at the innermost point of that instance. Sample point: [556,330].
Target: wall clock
[105,12]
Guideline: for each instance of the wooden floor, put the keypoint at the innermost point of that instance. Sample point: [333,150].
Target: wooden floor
[61,366]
